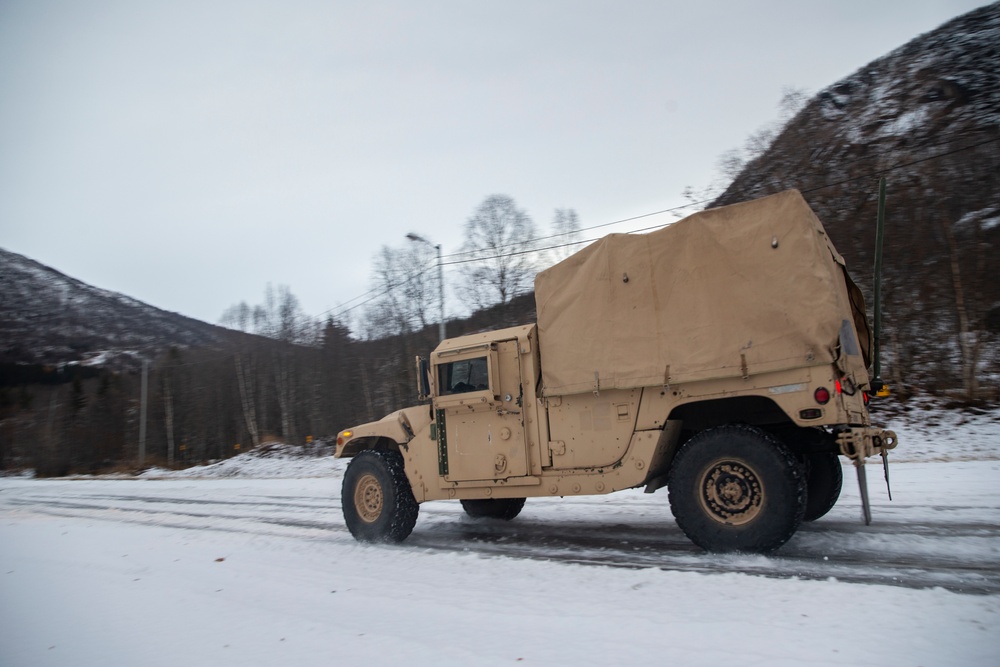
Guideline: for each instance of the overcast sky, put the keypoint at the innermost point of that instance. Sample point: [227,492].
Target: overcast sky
[188,153]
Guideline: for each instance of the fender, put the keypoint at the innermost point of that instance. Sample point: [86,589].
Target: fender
[397,427]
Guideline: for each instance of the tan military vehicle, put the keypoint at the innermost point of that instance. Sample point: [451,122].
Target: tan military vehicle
[723,357]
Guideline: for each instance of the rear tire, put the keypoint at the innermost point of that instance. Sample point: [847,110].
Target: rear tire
[377,501]
[737,488]
[493,508]
[824,480]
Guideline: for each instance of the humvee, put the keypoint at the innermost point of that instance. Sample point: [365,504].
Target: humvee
[723,358]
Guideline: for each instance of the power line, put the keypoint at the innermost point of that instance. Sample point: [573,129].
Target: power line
[875,174]
[462,253]
[382,291]
[708,201]
[525,251]
[378,292]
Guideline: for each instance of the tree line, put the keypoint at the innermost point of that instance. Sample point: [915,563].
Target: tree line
[501,253]
[300,380]
[296,380]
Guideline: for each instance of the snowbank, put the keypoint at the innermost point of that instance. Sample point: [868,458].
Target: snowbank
[926,432]
[270,461]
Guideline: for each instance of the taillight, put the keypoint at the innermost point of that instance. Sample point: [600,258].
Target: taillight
[840,388]
[822,395]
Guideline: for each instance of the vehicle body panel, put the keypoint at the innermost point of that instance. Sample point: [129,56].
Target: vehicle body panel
[743,314]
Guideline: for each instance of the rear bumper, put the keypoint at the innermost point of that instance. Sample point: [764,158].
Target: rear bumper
[859,442]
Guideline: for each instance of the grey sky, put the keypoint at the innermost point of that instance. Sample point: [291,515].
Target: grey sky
[187,153]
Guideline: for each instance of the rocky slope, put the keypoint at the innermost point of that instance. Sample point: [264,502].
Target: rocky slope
[927,118]
[47,317]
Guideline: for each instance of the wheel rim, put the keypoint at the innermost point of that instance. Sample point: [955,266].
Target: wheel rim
[730,492]
[368,498]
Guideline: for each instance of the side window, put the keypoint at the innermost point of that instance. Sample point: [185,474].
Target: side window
[459,377]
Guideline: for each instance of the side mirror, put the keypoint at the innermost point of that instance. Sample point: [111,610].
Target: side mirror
[423,379]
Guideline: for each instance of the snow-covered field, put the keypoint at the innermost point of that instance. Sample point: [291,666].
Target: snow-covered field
[248,562]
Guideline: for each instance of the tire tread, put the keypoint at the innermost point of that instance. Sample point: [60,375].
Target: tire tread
[401,508]
[762,535]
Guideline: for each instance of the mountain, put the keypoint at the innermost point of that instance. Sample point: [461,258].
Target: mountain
[47,317]
[926,117]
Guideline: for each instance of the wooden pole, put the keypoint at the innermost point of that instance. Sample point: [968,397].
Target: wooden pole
[142,413]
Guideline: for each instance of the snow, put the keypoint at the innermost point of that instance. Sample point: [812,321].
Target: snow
[98,594]
[988,218]
[906,123]
[98,359]
[247,561]
[928,433]
[273,460]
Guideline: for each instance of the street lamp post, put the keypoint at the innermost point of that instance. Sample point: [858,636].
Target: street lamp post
[437,246]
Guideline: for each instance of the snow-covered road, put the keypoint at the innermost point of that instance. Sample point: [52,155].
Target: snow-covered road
[262,571]
[942,528]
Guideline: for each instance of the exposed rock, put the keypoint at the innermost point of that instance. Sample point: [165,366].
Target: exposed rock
[927,117]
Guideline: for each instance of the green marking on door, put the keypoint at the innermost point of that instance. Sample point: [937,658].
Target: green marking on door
[442,444]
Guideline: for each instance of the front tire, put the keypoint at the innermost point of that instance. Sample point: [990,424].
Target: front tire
[493,508]
[377,501]
[737,488]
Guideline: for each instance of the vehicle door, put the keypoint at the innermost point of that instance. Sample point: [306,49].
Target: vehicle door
[479,420]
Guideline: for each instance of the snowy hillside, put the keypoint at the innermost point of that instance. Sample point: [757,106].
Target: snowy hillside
[48,318]
[926,117]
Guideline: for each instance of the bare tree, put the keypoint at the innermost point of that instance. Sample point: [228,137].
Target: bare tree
[731,163]
[405,284]
[246,378]
[793,100]
[969,338]
[499,238]
[280,317]
[565,230]
[241,317]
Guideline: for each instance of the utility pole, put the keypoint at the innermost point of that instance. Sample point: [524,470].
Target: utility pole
[440,266]
[142,412]
[441,290]
[880,387]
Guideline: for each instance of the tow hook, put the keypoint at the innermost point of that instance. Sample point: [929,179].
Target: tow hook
[858,444]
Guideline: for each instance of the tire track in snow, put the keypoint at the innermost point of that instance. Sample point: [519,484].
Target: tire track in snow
[891,552]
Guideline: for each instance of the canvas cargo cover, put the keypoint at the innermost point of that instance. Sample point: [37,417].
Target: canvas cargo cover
[748,288]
